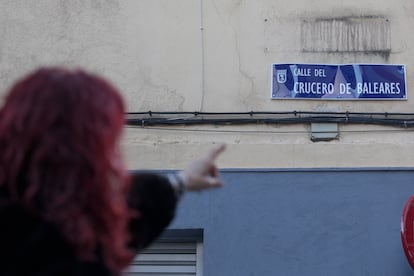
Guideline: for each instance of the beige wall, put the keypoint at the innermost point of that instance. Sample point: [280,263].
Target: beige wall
[152,50]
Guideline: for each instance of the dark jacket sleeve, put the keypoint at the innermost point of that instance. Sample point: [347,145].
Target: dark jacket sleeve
[154,201]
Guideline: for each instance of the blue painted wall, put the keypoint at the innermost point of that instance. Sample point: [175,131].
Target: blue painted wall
[302,222]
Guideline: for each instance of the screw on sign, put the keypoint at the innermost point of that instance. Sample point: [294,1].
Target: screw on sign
[407,230]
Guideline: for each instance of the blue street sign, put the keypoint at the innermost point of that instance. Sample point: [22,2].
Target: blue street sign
[338,82]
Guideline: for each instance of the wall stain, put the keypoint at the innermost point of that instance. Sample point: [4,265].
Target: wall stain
[369,34]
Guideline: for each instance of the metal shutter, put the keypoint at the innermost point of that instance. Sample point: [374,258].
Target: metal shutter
[168,258]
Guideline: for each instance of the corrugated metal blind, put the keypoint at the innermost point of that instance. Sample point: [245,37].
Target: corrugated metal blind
[166,259]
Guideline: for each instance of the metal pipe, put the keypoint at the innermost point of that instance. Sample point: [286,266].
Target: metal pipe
[202,69]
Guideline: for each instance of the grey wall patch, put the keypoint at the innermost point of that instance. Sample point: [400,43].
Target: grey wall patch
[366,34]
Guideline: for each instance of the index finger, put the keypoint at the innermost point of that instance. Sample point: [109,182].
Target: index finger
[215,152]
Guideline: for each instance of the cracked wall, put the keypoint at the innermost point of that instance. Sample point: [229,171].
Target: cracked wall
[163,57]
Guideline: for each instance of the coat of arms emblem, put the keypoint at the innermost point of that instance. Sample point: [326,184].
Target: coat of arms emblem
[281,76]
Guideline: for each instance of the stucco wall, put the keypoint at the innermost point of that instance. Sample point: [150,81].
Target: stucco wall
[210,55]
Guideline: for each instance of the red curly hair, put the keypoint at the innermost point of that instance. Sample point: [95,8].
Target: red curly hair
[59,132]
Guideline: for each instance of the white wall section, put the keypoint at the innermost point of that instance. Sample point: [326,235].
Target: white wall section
[216,56]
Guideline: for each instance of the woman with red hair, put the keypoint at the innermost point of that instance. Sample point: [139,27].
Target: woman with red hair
[67,204]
